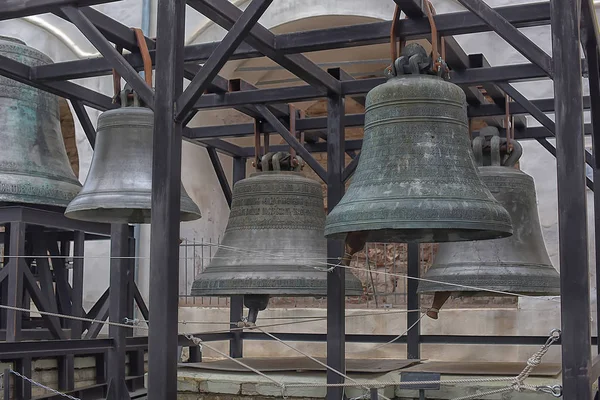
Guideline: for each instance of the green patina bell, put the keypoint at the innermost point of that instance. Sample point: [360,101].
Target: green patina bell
[273,244]
[416,180]
[34,167]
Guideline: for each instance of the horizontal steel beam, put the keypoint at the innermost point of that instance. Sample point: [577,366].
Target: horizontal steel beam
[35,216]
[470,76]
[51,348]
[22,73]
[22,8]
[320,39]
[424,339]
[538,132]
[510,33]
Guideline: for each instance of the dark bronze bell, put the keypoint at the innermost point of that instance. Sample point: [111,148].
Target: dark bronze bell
[118,187]
[34,167]
[273,244]
[416,180]
[517,264]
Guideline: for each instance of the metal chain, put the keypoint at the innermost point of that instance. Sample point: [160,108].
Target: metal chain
[43,386]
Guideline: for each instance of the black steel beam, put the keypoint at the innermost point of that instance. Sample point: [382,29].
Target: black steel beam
[350,120]
[536,113]
[590,32]
[292,141]
[217,60]
[166,196]
[552,150]
[350,168]
[353,145]
[544,105]
[509,33]
[533,14]
[336,322]
[225,14]
[425,339]
[77,276]
[220,145]
[119,251]
[93,330]
[22,73]
[51,348]
[139,300]
[572,216]
[593,59]
[243,130]
[413,348]
[412,8]
[449,24]
[123,36]
[86,123]
[236,305]
[472,76]
[493,91]
[21,8]
[220,172]
[125,70]
[54,219]
[15,268]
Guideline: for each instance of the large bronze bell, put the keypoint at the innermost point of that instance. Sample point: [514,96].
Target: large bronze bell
[416,180]
[273,244]
[34,167]
[517,264]
[118,187]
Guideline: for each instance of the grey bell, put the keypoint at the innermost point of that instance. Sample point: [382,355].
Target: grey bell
[517,264]
[273,244]
[118,188]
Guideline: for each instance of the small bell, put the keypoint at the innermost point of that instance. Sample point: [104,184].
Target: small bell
[118,187]
[273,244]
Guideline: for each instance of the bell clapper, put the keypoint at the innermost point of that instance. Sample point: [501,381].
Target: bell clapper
[255,303]
[439,299]
[355,242]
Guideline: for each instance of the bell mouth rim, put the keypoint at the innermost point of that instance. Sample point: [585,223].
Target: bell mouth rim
[12,39]
[426,234]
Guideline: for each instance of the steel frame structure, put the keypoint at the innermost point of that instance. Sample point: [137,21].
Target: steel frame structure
[573,22]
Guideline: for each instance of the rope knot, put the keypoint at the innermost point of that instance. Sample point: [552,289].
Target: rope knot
[246,324]
[533,361]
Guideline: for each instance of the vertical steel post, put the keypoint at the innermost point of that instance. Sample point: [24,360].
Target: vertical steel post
[77,294]
[413,258]
[572,210]
[236,305]
[594,81]
[15,281]
[166,192]
[119,250]
[6,383]
[336,305]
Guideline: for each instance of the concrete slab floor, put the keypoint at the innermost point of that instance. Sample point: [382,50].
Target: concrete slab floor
[195,384]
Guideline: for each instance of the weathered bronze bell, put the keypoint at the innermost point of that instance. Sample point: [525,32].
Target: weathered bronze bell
[517,264]
[34,167]
[273,244]
[416,180]
[118,187]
